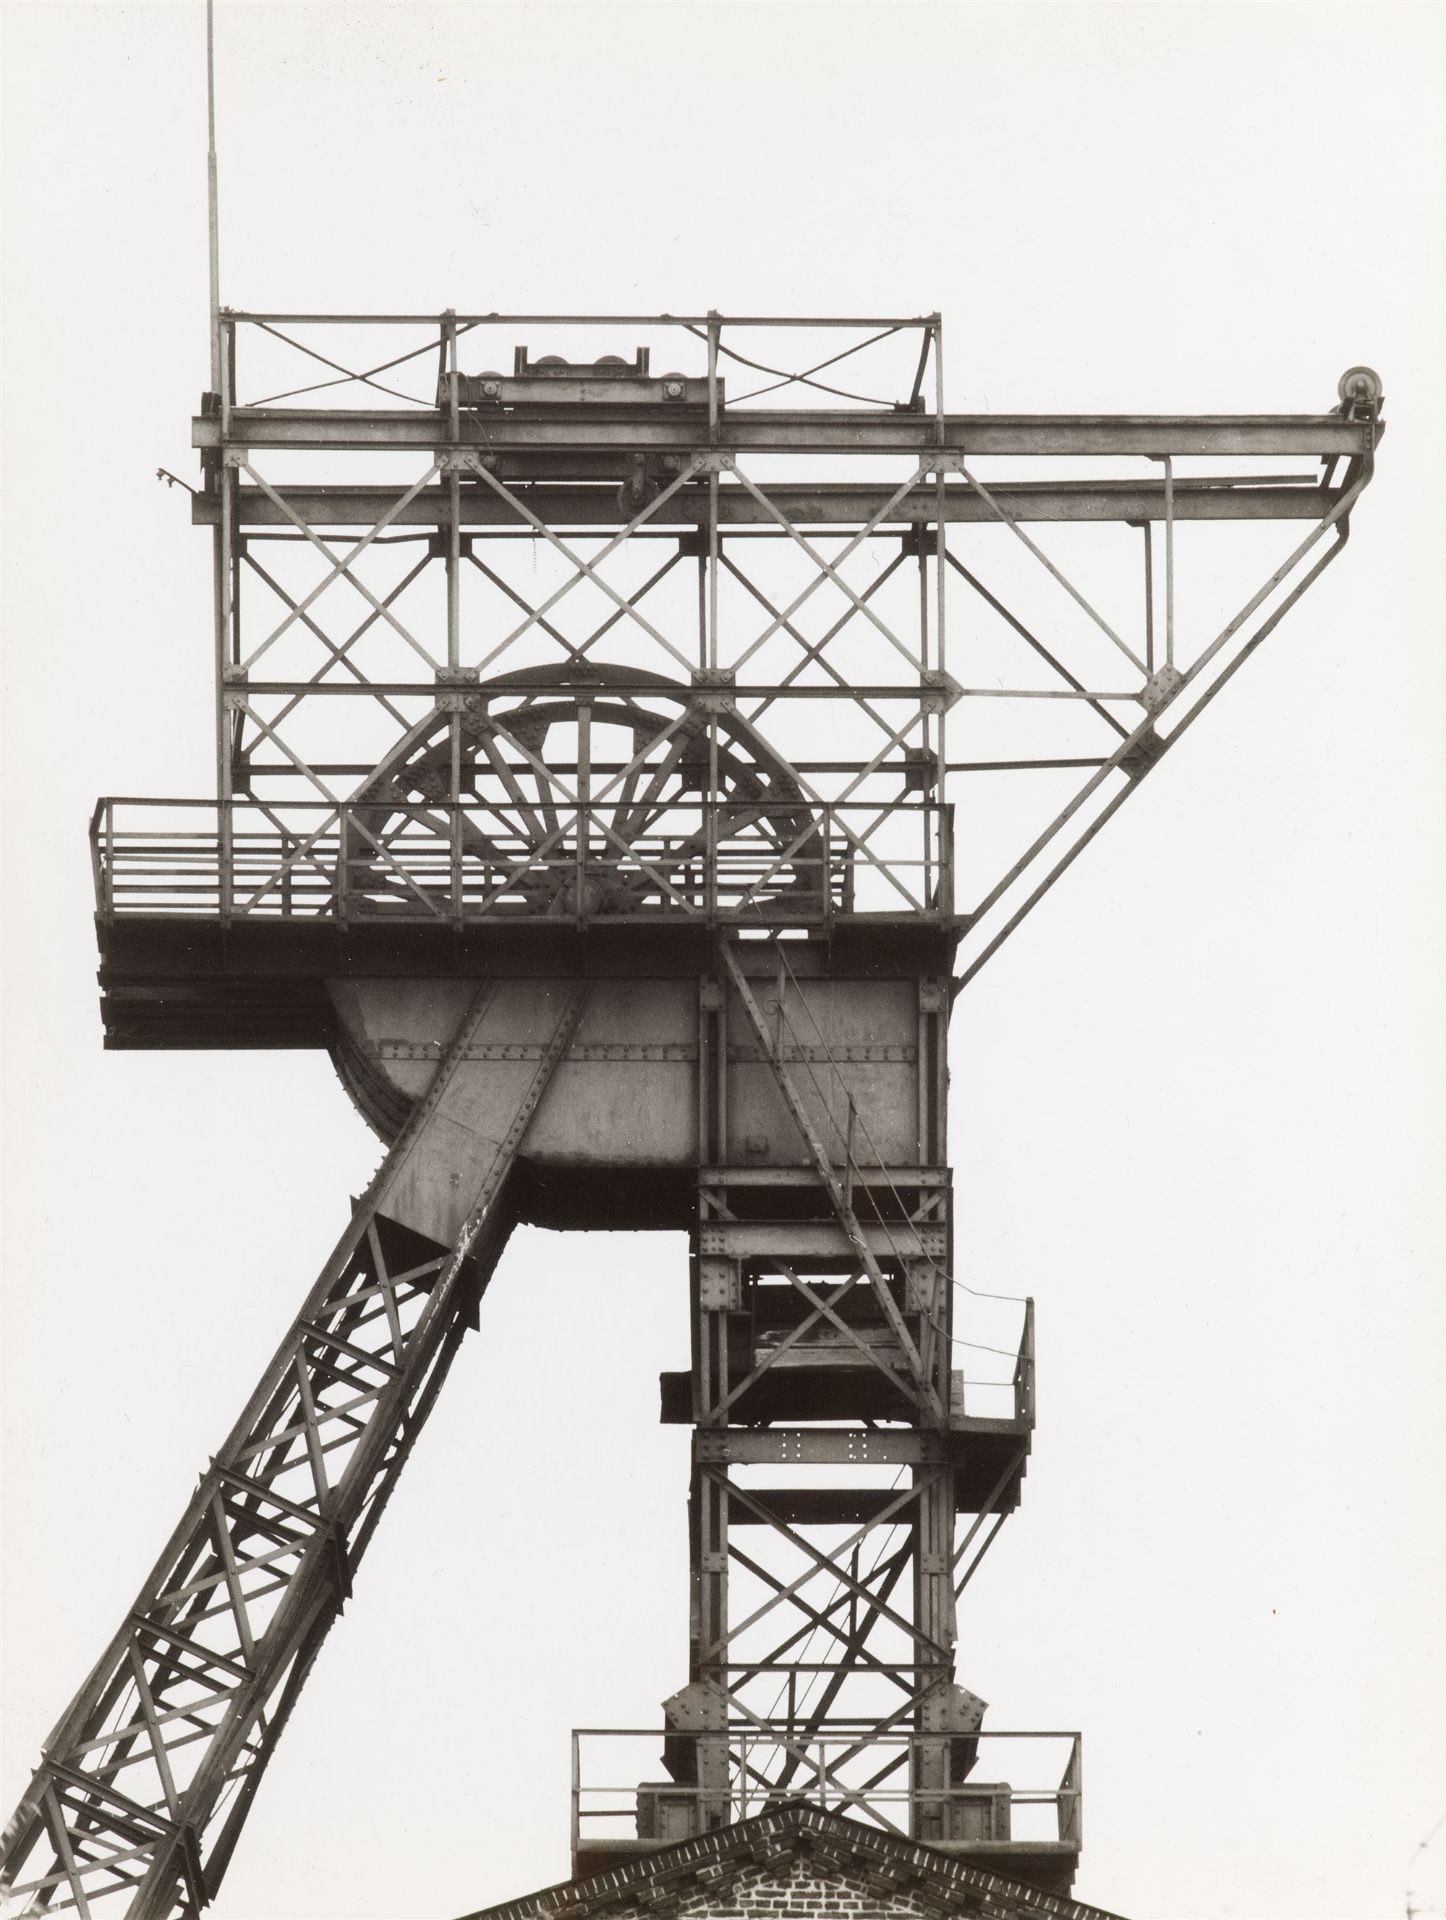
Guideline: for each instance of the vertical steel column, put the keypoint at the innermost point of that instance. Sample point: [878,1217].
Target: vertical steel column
[939,823]
[226,612]
[454,610]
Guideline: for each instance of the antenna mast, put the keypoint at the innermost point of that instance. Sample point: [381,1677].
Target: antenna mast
[212,221]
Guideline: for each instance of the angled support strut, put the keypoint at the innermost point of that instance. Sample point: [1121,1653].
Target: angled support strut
[146,1780]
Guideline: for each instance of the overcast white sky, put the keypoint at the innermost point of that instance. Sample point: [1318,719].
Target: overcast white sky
[1197,1100]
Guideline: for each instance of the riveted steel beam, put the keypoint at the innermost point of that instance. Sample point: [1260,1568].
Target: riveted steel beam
[811,505]
[654,430]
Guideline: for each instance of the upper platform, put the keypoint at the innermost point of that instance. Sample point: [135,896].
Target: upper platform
[573,429]
[570,638]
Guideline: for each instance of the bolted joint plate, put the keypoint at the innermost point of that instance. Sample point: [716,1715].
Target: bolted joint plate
[952,1709]
[818,1447]
[720,1286]
[716,689]
[938,691]
[740,1239]
[1161,687]
[696,1708]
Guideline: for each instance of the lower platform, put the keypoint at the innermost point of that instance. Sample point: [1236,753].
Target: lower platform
[795,1861]
[1041,1866]
[990,1459]
[1027,1826]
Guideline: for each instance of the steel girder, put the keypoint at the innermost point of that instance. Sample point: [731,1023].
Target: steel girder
[150,1773]
[815,506]
[816,431]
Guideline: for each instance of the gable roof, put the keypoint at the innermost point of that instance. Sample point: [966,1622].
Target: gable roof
[710,1861]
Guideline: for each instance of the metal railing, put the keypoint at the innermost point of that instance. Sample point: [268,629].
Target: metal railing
[396,362]
[1003,1399]
[854,1769]
[460,864]
[1023,1381]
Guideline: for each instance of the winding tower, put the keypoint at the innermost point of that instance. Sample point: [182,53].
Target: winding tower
[631,733]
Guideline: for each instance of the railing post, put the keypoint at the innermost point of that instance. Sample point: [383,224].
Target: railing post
[712,850]
[1071,1797]
[828,866]
[100,838]
[931,876]
[226,859]
[455,853]
[576,1795]
[778,1016]
[580,866]
[343,865]
[1024,1408]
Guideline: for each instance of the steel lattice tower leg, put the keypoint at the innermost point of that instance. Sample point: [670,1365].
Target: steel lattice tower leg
[822,1619]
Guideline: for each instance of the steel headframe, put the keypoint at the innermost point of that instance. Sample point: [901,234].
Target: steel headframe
[584,641]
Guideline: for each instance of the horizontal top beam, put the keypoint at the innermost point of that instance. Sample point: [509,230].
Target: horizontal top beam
[235,316]
[805,505]
[656,430]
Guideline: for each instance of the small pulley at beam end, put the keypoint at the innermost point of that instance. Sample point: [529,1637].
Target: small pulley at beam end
[1360,387]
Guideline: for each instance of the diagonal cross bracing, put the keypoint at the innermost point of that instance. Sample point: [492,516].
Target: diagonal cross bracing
[341,569]
[587,569]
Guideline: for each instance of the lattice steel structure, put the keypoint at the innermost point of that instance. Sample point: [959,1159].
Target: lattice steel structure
[619,773]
